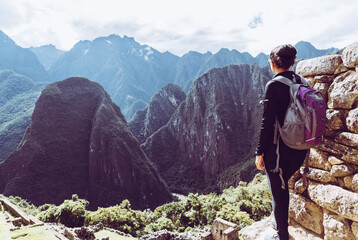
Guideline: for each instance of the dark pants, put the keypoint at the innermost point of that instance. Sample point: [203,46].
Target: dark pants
[290,162]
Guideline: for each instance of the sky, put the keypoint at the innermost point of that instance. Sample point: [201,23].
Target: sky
[180,26]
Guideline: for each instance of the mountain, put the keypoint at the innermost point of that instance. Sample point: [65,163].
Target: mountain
[47,54]
[20,60]
[306,50]
[213,129]
[18,95]
[193,65]
[79,142]
[130,72]
[160,109]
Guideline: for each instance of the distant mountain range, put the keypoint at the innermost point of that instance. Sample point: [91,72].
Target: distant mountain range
[47,54]
[132,73]
[200,141]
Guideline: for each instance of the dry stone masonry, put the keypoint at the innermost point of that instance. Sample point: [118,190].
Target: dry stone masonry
[328,204]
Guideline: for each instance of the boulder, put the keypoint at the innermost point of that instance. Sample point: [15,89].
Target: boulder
[336,227]
[343,92]
[341,69]
[354,227]
[334,161]
[345,153]
[351,182]
[322,88]
[306,212]
[293,179]
[259,230]
[350,55]
[335,199]
[343,170]
[319,159]
[336,119]
[321,65]
[352,120]
[324,78]
[300,186]
[347,138]
[319,175]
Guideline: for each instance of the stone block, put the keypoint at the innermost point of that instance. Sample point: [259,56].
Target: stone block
[300,187]
[354,228]
[341,69]
[311,81]
[343,170]
[352,120]
[334,161]
[319,159]
[319,175]
[336,119]
[335,199]
[322,88]
[345,153]
[343,92]
[350,55]
[306,212]
[321,65]
[351,182]
[347,138]
[324,78]
[219,227]
[293,179]
[207,236]
[336,227]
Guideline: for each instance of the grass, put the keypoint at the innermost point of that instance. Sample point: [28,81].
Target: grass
[33,233]
[4,231]
[111,235]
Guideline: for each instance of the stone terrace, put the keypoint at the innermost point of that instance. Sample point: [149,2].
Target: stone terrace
[327,207]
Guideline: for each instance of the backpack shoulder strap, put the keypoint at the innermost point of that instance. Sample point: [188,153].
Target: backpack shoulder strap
[283,80]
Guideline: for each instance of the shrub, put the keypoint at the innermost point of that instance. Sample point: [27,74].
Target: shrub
[70,213]
[120,217]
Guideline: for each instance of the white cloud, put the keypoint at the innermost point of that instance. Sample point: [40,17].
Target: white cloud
[183,25]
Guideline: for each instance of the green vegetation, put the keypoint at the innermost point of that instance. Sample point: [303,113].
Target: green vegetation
[4,231]
[33,233]
[243,205]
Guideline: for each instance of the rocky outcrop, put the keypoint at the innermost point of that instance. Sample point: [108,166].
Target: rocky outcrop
[160,109]
[18,95]
[333,171]
[208,132]
[79,142]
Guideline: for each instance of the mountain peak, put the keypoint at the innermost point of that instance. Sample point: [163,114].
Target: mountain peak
[6,39]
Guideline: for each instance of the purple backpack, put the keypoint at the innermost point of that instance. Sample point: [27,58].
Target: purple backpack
[305,119]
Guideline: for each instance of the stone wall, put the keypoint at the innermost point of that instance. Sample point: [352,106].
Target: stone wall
[328,204]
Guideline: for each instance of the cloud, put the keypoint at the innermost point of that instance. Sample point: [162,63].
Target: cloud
[257,20]
[181,26]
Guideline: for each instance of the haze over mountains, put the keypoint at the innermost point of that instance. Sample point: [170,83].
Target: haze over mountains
[196,115]
[132,73]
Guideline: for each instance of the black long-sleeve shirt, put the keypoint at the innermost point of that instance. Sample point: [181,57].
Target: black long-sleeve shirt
[276,100]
